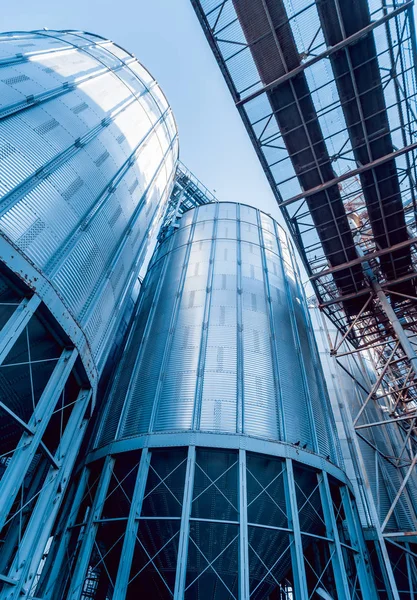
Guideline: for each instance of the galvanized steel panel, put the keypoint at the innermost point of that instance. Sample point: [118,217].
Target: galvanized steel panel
[226,345]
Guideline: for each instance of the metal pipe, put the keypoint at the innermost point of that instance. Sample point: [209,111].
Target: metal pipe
[385,422]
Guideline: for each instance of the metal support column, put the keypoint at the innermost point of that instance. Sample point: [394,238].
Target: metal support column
[181,573]
[26,562]
[57,554]
[396,325]
[29,442]
[77,583]
[16,324]
[362,562]
[297,556]
[205,327]
[342,585]
[122,581]
[244,593]
[410,575]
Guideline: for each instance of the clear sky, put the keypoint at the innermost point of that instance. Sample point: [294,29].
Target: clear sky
[166,37]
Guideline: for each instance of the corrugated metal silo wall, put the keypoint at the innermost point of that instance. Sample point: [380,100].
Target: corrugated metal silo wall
[223,341]
[87,157]
[348,393]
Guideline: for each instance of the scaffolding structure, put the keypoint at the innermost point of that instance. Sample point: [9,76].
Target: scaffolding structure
[326,90]
[188,192]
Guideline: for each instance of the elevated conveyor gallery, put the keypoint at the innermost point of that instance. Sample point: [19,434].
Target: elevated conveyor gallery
[268,33]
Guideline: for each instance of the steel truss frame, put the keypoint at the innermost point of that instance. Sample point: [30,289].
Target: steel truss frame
[44,424]
[383,324]
[393,26]
[338,531]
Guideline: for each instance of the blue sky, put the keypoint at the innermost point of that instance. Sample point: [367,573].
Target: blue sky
[166,37]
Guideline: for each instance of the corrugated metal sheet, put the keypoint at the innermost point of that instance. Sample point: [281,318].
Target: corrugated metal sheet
[223,341]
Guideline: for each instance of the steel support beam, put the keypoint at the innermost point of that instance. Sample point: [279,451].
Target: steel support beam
[349,174]
[401,536]
[410,576]
[29,443]
[367,290]
[362,561]
[407,441]
[16,418]
[58,553]
[342,585]
[123,573]
[244,591]
[386,422]
[31,548]
[396,325]
[16,324]
[376,384]
[400,490]
[77,583]
[7,580]
[337,345]
[181,572]
[297,556]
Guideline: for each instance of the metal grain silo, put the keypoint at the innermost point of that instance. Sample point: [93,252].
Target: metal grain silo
[215,471]
[88,150]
